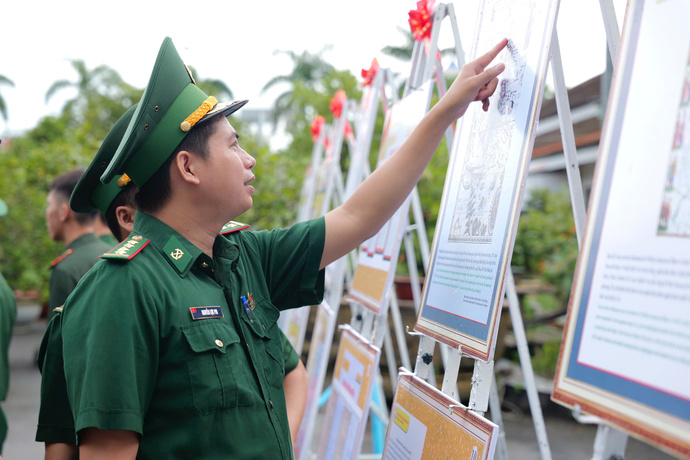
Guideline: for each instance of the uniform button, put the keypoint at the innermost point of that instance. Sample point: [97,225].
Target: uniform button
[271,403]
[204,264]
[219,343]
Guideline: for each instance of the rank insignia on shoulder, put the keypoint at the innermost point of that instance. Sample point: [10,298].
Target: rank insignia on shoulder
[61,257]
[206,312]
[129,248]
[233,226]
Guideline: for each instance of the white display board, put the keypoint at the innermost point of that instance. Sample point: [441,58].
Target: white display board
[475,231]
[378,257]
[317,364]
[625,355]
[348,405]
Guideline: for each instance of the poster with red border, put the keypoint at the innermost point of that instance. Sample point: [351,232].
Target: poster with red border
[625,355]
[475,232]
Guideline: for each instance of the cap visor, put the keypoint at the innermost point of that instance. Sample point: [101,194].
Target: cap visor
[223,108]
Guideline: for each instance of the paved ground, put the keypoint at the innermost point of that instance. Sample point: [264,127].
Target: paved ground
[568,439]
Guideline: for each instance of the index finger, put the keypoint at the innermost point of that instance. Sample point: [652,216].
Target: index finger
[486,59]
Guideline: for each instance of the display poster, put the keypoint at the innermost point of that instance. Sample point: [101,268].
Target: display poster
[348,406]
[317,364]
[378,257]
[368,109]
[625,355]
[323,176]
[475,231]
[294,324]
[426,424]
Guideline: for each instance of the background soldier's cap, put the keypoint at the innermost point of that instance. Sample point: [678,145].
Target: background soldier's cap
[171,105]
[90,193]
[3,208]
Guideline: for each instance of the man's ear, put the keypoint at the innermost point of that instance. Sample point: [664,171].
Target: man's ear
[125,218]
[184,165]
[65,212]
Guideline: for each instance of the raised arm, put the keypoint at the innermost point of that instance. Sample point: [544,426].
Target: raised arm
[378,197]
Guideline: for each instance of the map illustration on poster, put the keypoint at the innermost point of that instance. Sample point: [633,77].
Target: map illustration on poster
[475,231]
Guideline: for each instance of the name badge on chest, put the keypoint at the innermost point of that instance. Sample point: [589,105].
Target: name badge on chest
[206,312]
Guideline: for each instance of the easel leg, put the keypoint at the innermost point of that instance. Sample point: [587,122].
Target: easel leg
[609,444]
[497,418]
[527,371]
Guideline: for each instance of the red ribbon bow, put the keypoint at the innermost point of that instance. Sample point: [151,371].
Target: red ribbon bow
[370,73]
[338,102]
[421,19]
[315,128]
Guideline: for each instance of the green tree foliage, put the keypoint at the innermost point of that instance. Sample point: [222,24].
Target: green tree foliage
[546,244]
[3,105]
[29,165]
[213,87]
[309,73]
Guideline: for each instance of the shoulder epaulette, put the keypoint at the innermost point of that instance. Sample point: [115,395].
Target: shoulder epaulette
[61,257]
[233,226]
[129,248]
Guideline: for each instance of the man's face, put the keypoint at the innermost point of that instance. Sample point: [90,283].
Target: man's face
[55,215]
[228,171]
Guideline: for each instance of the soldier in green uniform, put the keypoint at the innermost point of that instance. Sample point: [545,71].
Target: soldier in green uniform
[182,358]
[116,202]
[75,231]
[8,314]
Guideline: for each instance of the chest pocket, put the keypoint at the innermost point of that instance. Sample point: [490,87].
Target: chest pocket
[217,365]
[269,335]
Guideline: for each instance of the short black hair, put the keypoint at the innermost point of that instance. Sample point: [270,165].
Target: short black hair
[64,185]
[156,192]
[124,198]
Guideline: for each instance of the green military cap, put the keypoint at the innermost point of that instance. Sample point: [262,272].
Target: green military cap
[90,193]
[3,208]
[171,105]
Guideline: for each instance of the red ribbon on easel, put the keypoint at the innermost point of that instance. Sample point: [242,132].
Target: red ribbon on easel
[316,126]
[369,74]
[338,102]
[421,20]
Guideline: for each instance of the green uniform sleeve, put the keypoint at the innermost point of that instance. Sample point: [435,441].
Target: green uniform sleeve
[290,259]
[55,421]
[290,355]
[111,338]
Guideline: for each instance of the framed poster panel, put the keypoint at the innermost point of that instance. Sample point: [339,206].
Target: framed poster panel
[348,406]
[317,364]
[625,355]
[378,257]
[475,231]
[426,424]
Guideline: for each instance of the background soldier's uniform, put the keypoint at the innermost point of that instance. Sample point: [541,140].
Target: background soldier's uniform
[140,360]
[8,314]
[68,268]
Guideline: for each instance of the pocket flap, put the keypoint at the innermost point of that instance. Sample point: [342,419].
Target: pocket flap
[210,335]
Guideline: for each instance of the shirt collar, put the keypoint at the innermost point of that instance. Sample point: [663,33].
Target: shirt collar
[176,249]
[83,240]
